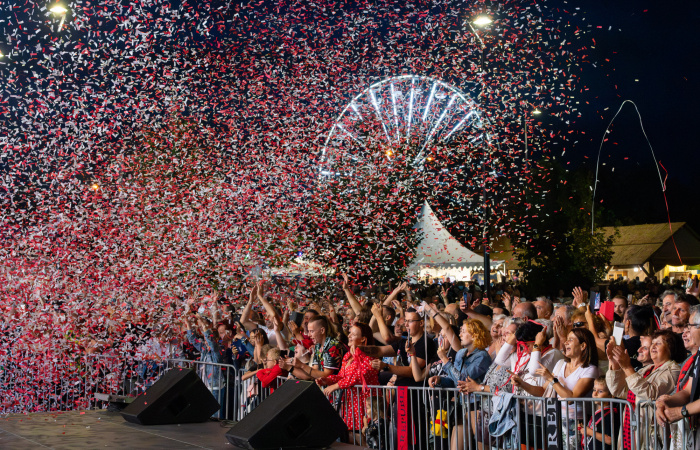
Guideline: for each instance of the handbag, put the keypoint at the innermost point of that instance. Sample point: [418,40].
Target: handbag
[338,399]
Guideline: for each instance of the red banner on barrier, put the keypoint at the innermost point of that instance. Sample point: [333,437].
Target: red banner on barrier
[403,419]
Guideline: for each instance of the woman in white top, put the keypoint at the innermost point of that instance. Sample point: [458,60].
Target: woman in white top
[573,377]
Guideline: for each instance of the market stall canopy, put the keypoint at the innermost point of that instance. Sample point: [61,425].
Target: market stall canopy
[438,249]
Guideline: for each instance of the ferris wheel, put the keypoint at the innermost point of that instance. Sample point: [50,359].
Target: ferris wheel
[407,116]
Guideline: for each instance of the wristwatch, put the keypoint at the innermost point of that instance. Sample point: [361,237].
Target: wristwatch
[535,347]
[684,412]
[483,387]
[555,380]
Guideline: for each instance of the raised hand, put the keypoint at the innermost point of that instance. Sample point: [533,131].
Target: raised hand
[410,349]
[507,301]
[579,296]
[544,372]
[254,292]
[621,357]
[541,337]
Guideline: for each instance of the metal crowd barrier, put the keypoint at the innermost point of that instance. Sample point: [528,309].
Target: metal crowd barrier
[387,417]
[441,419]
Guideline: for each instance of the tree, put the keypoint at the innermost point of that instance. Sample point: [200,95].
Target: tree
[560,251]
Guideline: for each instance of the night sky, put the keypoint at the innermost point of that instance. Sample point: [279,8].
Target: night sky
[263,82]
[647,52]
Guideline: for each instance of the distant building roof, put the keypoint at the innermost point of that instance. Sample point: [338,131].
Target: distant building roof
[636,245]
[654,243]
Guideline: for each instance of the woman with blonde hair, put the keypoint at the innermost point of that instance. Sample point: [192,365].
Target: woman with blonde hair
[471,363]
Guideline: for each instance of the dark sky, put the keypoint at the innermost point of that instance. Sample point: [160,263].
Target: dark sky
[647,52]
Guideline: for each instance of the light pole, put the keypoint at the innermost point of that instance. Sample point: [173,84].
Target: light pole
[480,21]
[534,112]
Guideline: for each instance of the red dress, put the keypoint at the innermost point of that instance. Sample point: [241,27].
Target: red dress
[352,374]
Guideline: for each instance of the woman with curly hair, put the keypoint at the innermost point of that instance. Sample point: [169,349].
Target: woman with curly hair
[472,361]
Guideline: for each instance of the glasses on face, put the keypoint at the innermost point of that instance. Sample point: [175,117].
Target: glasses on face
[579,324]
[693,325]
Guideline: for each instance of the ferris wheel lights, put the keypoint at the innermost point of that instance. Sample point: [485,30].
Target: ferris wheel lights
[482,20]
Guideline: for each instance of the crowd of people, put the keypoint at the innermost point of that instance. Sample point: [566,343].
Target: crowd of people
[430,335]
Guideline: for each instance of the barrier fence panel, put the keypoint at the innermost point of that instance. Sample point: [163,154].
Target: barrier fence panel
[421,418]
[387,417]
[676,436]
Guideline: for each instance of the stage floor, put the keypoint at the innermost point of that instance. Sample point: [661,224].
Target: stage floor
[103,429]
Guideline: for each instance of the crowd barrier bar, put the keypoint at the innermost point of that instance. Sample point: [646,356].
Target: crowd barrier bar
[429,418]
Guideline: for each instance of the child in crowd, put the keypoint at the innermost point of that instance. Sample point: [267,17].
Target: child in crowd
[601,431]
[266,376]
[374,430]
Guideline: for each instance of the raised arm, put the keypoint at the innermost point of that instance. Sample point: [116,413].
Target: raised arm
[392,296]
[466,309]
[245,314]
[455,343]
[267,305]
[384,330]
[354,304]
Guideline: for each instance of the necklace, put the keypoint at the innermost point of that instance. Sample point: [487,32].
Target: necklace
[573,369]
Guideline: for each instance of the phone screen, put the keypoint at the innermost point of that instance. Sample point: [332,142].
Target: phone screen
[596,301]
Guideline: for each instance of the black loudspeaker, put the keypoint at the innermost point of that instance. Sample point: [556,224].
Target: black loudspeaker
[179,396]
[297,415]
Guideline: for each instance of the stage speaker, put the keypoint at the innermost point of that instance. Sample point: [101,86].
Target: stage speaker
[296,415]
[179,396]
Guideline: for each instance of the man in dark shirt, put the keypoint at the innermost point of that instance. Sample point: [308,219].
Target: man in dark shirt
[426,351]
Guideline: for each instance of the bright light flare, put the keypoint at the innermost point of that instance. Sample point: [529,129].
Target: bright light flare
[482,21]
[536,112]
[95,187]
[58,9]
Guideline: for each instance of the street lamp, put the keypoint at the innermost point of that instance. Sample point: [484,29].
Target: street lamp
[59,10]
[480,21]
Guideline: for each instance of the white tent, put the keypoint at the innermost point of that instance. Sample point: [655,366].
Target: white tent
[439,254]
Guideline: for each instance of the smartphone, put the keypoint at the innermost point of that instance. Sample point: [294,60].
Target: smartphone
[283,353]
[618,332]
[297,318]
[596,301]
